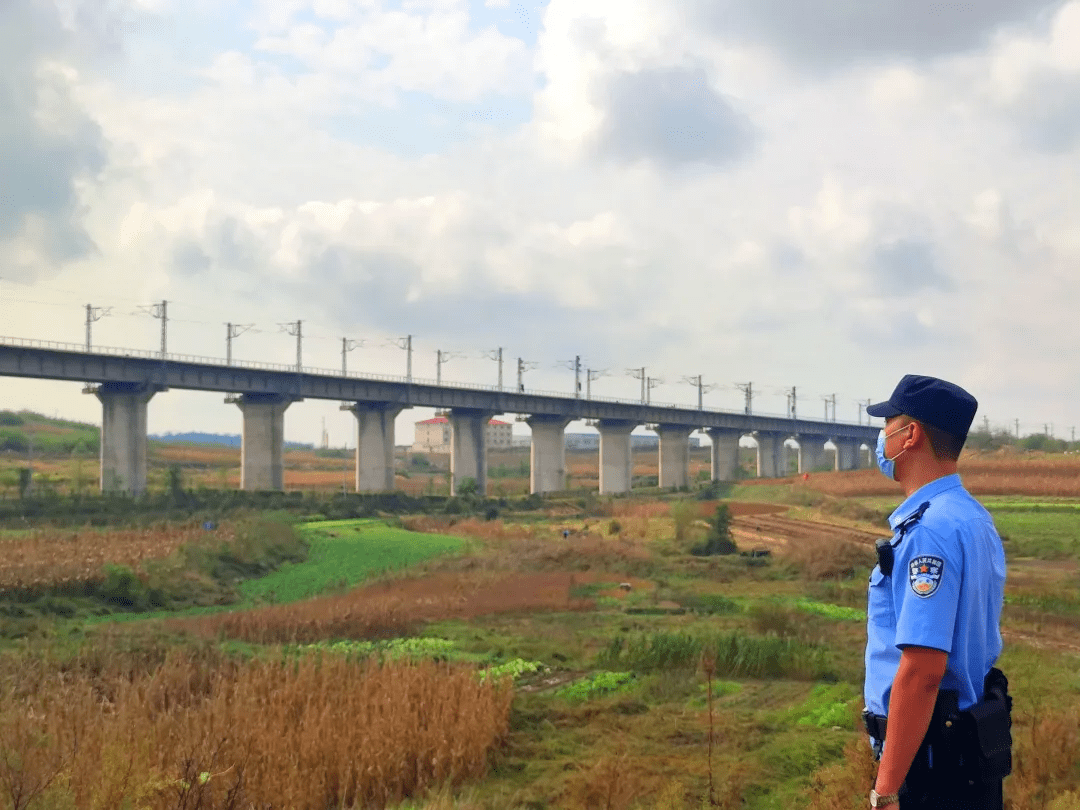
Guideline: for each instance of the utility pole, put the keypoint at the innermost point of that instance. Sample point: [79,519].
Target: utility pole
[639,374]
[1017,423]
[94,314]
[406,344]
[590,375]
[346,347]
[792,408]
[748,391]
[296,330]
[522,367]
[699,383]
[497,354]
[577,377]
[830,400]
[440,358]
[986,425]
[650,384]
[161,312]
[233,330]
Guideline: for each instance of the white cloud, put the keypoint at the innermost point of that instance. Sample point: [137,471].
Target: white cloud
[888,211]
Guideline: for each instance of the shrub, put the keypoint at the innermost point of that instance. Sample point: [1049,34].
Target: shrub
[719,540]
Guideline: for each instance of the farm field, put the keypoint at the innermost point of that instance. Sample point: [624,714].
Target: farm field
[604,668]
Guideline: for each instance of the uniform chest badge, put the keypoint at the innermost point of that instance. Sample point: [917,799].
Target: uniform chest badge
[924,574]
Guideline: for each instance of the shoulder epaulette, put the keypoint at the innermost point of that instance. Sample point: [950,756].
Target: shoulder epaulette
[910,521]
[886,550]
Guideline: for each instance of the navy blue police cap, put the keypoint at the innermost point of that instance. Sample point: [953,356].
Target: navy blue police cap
[934,402]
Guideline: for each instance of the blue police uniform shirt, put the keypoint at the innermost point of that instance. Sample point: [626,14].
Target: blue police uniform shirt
[946,592]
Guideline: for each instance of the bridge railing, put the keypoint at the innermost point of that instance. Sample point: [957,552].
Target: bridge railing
[336,373]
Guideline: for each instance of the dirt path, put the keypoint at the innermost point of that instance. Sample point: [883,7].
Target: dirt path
[774,532]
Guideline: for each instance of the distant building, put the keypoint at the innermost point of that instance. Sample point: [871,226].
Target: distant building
[433,435]
[582,441]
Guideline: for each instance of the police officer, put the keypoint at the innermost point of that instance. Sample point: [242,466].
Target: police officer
[933,607]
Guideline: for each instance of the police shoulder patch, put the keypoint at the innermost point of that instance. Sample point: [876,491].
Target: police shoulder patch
[924,574]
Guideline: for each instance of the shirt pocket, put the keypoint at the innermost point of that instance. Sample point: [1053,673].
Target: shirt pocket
[879,600]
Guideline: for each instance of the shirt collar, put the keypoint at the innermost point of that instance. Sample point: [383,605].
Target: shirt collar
[924,493]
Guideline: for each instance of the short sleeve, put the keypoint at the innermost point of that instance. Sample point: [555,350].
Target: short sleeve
[926,588]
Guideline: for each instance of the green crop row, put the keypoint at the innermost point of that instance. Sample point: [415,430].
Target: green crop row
[343,553]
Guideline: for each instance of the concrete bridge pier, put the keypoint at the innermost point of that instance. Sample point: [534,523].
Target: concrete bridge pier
[847,454]
[375,445]
[616,459]
[123,436]
[812,454]
[547,457]
[770,454]
[674,456]
[262,446]
[468,448]
[725,453]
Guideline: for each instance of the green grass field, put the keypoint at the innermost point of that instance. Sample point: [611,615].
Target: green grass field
[612,703]
[1048,535]
[343,553]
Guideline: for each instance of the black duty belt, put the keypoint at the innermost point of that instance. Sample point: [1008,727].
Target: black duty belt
[876,725]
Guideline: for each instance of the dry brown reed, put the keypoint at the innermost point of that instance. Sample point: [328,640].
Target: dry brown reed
[844,785]
[1054,475]
[392,608]
[312,732]
[53,557]
[821,558]
[1044,760]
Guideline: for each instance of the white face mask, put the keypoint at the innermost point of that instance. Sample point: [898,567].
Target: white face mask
[885,464]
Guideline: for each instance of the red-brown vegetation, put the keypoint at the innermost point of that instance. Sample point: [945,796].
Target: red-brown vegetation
[393,608]
[54,557]
[1036,475]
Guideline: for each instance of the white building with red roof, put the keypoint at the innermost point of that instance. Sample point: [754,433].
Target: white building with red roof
[433,435]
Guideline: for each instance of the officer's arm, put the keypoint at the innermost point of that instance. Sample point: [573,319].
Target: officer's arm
[911,704]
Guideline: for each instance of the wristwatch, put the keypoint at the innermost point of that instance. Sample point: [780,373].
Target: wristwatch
[877,800]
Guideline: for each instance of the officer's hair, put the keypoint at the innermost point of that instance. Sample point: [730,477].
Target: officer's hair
[946,446]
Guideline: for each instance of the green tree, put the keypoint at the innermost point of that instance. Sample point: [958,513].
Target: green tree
[719,540]
[175,482]
[683,513]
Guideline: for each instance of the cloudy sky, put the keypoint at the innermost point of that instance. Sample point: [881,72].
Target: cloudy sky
[823,195]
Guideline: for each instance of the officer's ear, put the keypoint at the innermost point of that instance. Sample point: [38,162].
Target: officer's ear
[916,437]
